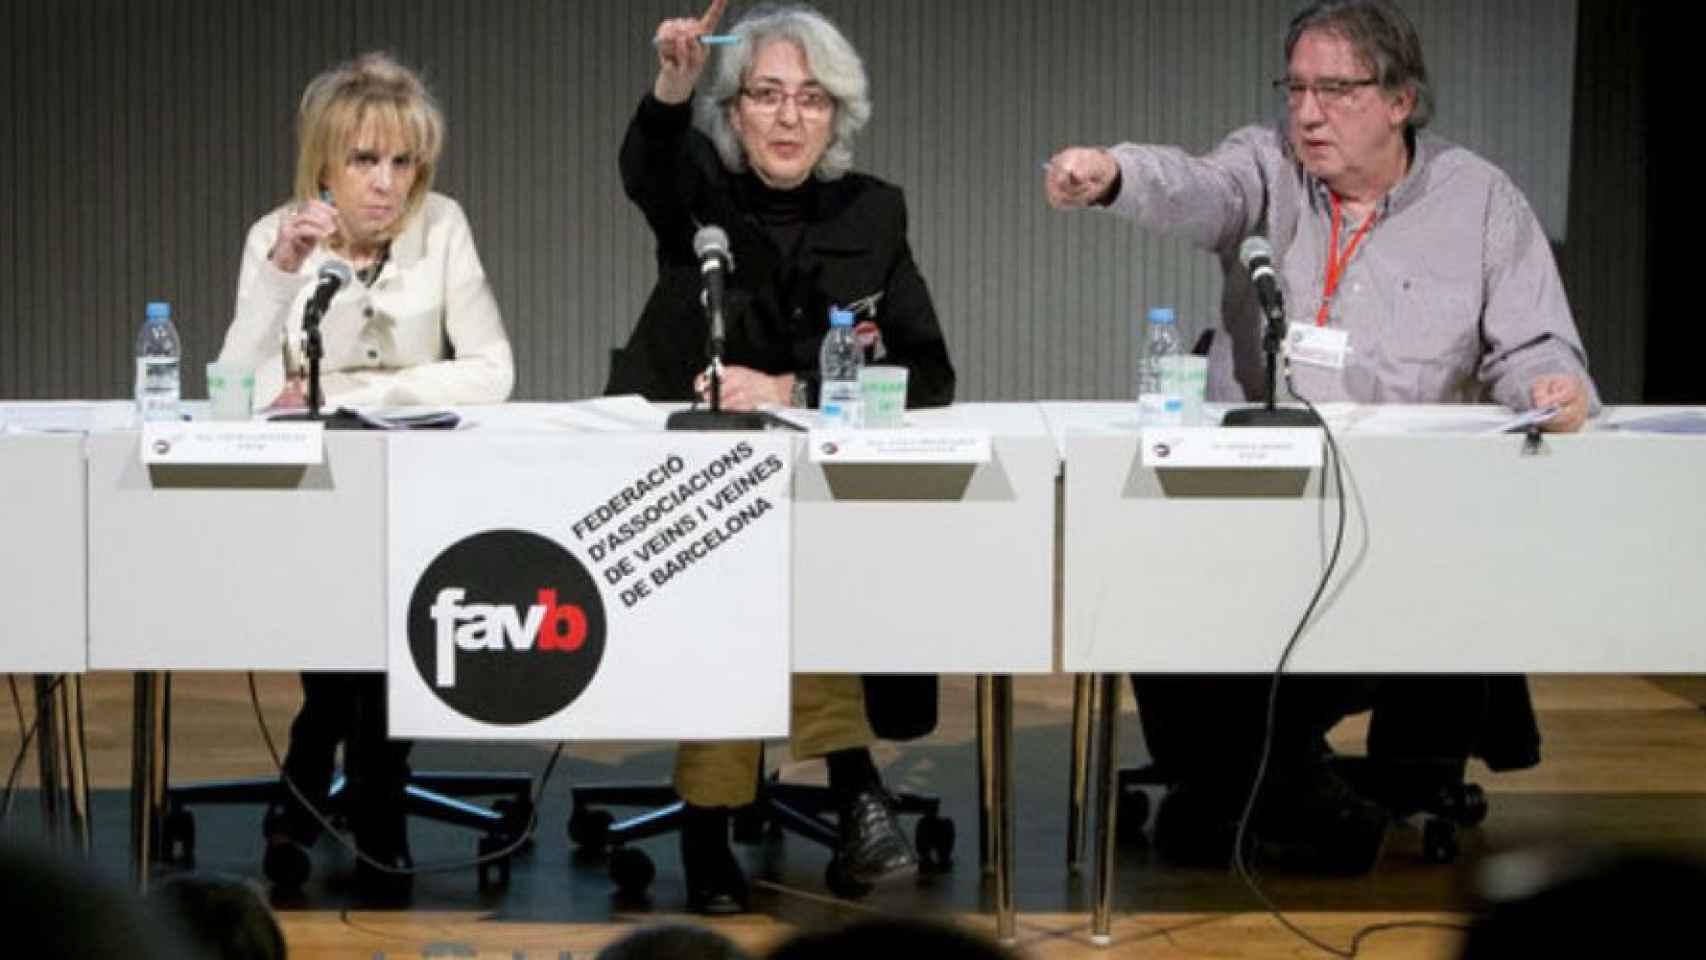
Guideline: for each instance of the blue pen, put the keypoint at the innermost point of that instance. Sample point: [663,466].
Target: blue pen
[713,39]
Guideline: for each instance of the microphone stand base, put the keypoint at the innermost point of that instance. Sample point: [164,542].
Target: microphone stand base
[1270,417]
[717,420]
[332,421]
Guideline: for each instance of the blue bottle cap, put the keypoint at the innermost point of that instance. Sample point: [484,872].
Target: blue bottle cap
[159,309]
[839,317]
[1162,315]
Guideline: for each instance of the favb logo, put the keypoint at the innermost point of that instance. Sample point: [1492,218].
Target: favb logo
[506,627]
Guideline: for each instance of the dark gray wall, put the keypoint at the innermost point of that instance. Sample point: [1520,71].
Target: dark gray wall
[143,138]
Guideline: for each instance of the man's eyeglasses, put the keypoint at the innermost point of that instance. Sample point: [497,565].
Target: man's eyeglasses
[811,101]
[1329,92]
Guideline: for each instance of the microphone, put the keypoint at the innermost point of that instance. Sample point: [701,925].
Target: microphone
[333,275]
[711,246]
[1257,255]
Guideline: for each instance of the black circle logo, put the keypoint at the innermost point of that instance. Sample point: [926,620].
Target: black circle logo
[506,627]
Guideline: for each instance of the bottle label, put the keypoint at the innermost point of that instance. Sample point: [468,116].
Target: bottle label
[157,387]
[1160,410]
[839,403]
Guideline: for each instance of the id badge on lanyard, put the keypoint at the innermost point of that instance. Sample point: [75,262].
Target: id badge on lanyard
[1318,346]
[1321,345]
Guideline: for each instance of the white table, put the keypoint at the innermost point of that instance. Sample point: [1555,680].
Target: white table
[43,586]
[1583,555]
[937,568]
[907,568]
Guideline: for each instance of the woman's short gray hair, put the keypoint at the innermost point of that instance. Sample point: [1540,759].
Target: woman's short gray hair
[829,57]
[1383,38]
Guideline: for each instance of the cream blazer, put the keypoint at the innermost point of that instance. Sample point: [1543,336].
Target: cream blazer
[390,344]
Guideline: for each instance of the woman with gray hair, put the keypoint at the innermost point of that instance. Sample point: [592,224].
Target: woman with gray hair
[766,153]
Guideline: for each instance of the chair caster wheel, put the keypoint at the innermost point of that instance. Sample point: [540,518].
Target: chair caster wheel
[494,872]
[1439,840]
[934,839]
[632,871]
[286,865]
[590,829]
[177,836]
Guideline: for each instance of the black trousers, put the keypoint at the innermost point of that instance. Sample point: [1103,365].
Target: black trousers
[346,709]
[1208,729]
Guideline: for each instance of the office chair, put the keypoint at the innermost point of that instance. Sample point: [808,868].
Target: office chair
[1432,789]
[440,797]
[798,808]
[900,707]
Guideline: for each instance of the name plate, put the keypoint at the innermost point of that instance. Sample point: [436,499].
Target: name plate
[908,445]
[1230,447]
[234,443]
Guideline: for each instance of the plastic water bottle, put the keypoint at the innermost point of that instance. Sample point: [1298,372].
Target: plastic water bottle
[158,357]
[839,362]
[1155,407]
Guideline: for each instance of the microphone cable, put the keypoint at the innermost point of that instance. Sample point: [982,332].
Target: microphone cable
[1240,863]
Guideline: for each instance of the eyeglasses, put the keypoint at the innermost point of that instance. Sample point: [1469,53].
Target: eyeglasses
[811,101]
[1329,92]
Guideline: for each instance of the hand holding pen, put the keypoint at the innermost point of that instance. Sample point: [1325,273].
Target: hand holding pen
[1078,176]
[682,51]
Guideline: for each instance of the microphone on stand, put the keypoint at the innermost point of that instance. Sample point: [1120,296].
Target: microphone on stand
[1257,255]
[334,276]
[711,246]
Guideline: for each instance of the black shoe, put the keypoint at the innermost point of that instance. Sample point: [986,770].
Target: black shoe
[381,870]
[716,886]
[1196,826]
[1312,821]
[386,884]
[873,847]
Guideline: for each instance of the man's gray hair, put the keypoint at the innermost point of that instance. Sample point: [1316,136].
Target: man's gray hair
[829,57]
[1383,38]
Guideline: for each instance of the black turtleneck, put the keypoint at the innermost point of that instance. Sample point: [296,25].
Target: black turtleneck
[782,213]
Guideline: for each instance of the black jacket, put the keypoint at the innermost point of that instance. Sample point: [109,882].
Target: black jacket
[853,247]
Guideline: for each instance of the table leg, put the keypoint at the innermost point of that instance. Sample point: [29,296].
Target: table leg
[1107,783]
[1001,693]
[147,774]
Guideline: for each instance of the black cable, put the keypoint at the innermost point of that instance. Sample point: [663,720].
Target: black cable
[1239,863]
[325,821]
[17,701]
[43,704]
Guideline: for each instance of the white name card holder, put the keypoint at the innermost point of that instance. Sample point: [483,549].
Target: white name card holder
[904,445]
[233,443]
[1231,447]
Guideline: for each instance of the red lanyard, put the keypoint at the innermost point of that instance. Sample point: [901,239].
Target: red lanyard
[1336,264]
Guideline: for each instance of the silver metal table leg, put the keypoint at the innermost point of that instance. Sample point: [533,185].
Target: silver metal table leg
[147,774]
[1078,784]
[1001,693]
[49,722]
[1107,784]
[985,777]
[76,759]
